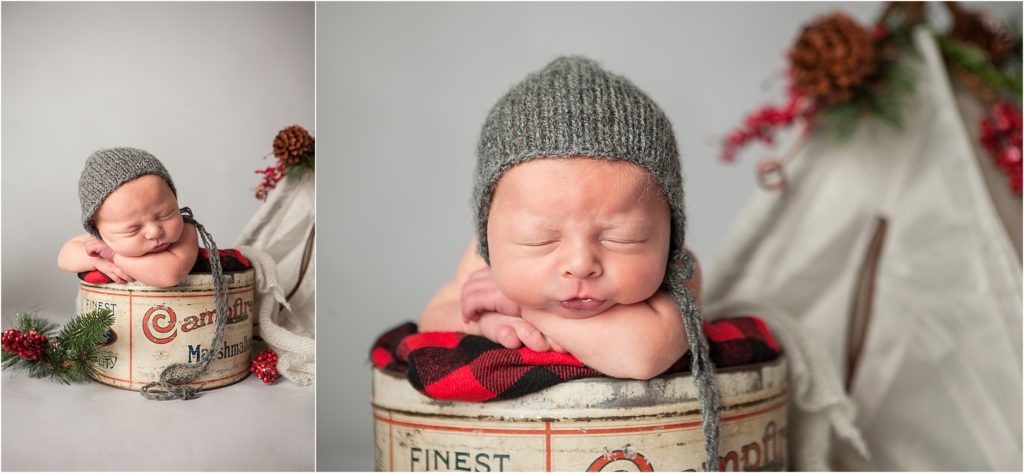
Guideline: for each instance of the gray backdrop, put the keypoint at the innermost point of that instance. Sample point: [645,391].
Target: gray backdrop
[402,92]
[205,87]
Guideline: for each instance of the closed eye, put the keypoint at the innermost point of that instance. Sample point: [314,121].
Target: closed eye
[539,243]
[624,241]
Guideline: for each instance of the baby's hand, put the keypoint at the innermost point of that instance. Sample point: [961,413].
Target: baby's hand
[480,294]
[97,248]
[512,332]
[113,271]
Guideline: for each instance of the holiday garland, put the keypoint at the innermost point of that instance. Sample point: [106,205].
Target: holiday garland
[72,356]
[295,150]
[840,72]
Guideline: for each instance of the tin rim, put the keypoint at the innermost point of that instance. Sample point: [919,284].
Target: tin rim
[191,282]
[674,395]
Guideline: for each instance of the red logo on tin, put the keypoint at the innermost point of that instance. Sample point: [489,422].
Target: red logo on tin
[621,460]
[159,321]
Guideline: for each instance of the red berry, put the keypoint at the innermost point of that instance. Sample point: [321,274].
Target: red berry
[11,339]
[265,366]
[880,33]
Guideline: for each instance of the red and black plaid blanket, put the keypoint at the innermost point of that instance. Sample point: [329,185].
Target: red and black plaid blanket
[230,260]
[454,366]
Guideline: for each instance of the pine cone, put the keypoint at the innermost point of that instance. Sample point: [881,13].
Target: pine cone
[292,144]
[833,56]
[982,31]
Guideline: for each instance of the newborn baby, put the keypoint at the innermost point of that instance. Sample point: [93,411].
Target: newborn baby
[135,229]
[580,226]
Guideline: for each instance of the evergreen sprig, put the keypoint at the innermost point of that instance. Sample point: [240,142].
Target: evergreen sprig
[74,355]
[976,62]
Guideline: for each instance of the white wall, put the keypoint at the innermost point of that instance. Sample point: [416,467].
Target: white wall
[203,86]
[402,92]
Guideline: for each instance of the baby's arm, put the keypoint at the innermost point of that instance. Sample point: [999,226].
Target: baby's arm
[444,313]
[638,341]
[75,257]
[165,268]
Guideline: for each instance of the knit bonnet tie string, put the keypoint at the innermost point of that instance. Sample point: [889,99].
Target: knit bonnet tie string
[175,379]
[679,271]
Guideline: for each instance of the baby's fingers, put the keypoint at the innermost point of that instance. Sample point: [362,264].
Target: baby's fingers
[504,335]
[470,298]
[531,337]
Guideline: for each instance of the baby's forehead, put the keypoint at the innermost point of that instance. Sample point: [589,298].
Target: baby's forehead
[597,174]
[577,187]
[136,195]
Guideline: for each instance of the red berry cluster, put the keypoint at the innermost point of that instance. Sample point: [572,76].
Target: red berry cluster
[1001,136]
[29,346]
[763,123]
[265,366]
[271,176]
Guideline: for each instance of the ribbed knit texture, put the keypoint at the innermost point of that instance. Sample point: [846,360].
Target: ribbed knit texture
[573,107]
[106,170]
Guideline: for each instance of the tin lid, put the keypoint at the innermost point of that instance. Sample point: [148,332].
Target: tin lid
[595,397]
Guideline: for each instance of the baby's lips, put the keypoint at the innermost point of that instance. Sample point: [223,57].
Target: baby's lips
[581,303]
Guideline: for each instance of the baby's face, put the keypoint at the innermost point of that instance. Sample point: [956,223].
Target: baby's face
[140,217]
[577,236]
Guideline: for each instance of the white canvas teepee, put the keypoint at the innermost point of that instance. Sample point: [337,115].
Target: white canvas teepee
[279,240]
[932,297]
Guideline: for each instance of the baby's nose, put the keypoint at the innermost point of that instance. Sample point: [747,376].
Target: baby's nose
[154,231]
[581,263]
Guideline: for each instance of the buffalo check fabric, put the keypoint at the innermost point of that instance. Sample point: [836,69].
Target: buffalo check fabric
[230,260]
[454,366]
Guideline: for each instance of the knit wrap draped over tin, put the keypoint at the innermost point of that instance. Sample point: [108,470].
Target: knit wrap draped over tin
[574,108]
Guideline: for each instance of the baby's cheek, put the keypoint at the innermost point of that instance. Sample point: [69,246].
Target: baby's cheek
[515,284]
[641,282]
[176,228]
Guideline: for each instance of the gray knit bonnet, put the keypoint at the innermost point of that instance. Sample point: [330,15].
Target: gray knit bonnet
[106,170]
[573,107]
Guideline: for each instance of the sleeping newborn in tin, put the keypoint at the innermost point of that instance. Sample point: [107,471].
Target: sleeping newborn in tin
[136,231]
[580,221]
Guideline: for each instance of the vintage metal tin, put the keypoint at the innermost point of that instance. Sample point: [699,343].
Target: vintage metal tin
[597,424]
[156,327]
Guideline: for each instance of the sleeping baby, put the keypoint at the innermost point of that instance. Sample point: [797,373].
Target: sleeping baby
[580,228]
[136,231]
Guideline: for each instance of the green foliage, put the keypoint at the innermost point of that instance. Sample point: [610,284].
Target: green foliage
[29,321]
[74,354]
[976,62]
[840,119]
[895,85]
[298,170]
